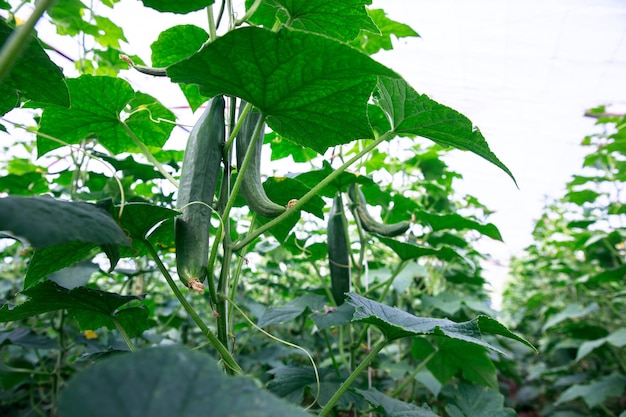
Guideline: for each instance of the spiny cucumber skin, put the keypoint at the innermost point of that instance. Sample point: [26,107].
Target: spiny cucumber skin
[251,188]
[368,222]
[338,251]
[198,181]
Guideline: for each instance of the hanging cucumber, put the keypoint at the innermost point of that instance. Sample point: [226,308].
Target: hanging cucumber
[198,180]
[251,187]
[368,222]
[338,251]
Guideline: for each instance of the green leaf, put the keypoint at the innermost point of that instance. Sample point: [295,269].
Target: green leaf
[451,303]
[48,222]
[395,323]
[457,222]
[34,75]
[27,338]
[455,357]
[177,43]
[472,401]
[390,407]
[581,197]
[572,311]
[597,392]
[342,20]
[48,296]
[177,6]
[408,251]
[372,42]
[282,148]
[312,89]
[54,258]
[333,317]
[342,182]
[165,382]
[617,339]
[76,275]
[291,310]
[131,168]
[281,190]
[139,218]
[413,114]
[97,102]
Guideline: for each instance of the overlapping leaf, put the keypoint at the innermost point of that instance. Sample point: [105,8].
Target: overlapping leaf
[312,89]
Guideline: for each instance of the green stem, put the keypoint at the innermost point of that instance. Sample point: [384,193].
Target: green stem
[149,155]
[122,331]
[249,13]
[229,361]
[312,193]
[211,19]
[346,384]
[411,376]
[17,42]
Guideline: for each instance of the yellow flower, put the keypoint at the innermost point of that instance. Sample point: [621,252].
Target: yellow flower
[90,334]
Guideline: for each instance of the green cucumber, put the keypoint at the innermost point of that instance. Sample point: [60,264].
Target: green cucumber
[368,222]
[251,187]
[198,181]
[338,251]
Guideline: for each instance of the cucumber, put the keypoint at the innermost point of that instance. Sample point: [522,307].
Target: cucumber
[251,187]
[198,181]
[338,251]
[368,222]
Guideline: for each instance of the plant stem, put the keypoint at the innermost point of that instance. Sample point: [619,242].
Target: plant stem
[15,45]
[229,361]
[346,384]
[313,192]
[411,376]
[124,335]
[144,149]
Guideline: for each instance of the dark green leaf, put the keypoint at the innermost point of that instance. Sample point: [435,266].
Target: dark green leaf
[281,190]
[166,382]
[29,183]
[48,296]
[333,317]
[131,168]
[408,251]
[396,323]
[177,6]
[74,276]
[572,311]
[27,338]
[48,222]
[341,20]
[413,114]
[34,75]
[390,407]
[313,90]
[472,401]
[342,182]
[596,392]
[456,222]
[291,310]
[54,258]
[139,218]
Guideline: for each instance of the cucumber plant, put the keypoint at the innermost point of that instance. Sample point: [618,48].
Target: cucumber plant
[308,272]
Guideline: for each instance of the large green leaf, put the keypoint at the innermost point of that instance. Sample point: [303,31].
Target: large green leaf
[312,89]
[97,103]
[177,6]
[92,308]
[390,407]
[457,222]
[48,222]
[572,311]
[54,258]
[408,251]
[291,310]
[34,75]
[342,20]
[413,114]
[472,401]
[616,338]
[166,382]
[395,323]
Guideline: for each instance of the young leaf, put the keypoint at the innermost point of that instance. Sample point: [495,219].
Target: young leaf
[372,42]
[165,382]
[413,114]
[312,89]
[96,106]
[48,222]
[395,323]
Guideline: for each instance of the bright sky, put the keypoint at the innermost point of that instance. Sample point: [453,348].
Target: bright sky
[524,72]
